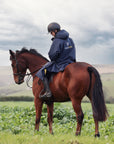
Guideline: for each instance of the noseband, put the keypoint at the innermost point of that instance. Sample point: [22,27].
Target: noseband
[17,67]
[20,75]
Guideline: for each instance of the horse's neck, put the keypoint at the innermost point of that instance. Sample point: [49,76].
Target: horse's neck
[34,62]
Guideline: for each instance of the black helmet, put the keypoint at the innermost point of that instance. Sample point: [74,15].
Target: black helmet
[53,26]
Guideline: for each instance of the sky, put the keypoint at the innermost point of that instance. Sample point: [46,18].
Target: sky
[90,23]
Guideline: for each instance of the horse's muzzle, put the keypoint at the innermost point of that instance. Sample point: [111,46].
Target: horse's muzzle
[20,80]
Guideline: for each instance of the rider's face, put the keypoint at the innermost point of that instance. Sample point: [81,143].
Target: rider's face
[52,33]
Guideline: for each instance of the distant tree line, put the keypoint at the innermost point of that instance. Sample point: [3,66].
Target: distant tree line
[28,98]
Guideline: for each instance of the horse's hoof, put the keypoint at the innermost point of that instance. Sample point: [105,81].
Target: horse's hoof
[36,129]
[97,135]
[52,133]
[77,134]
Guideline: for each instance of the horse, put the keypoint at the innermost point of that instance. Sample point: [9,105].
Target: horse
[77,80]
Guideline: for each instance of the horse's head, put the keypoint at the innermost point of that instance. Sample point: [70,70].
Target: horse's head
[18,66]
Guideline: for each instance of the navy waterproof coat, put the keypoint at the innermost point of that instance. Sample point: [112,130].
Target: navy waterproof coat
[61,53]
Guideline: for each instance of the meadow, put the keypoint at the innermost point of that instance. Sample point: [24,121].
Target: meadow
[17,121]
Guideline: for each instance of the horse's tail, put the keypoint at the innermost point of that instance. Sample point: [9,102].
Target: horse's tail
[98,103]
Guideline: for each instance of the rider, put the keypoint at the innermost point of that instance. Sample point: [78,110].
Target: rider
[61,53]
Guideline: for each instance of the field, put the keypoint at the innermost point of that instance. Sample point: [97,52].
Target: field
[108,86]
[17,120]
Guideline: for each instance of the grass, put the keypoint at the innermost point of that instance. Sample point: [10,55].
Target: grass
[49,139]
[17,121]
[17,104]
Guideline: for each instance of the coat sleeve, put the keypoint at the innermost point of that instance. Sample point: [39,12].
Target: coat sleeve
[55,50]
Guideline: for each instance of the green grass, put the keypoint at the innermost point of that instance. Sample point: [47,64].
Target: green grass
[17,121]
[49,139]
[16,104]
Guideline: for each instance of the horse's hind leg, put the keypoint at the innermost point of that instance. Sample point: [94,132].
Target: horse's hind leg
[50,117]
[97,134]
[79,115]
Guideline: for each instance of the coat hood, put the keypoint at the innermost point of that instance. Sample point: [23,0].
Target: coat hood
[62,34]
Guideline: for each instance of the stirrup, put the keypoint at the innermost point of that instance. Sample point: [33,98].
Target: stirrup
[47,95]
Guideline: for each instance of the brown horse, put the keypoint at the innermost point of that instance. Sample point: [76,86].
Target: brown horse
[77,80]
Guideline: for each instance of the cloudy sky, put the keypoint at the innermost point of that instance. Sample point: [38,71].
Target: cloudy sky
[89,22]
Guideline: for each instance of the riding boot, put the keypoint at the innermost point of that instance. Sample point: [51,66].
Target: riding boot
[47,95]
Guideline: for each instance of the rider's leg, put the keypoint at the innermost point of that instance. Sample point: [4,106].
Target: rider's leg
[47,93]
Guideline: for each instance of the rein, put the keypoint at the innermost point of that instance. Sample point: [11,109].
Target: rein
[27,74]
[19,74]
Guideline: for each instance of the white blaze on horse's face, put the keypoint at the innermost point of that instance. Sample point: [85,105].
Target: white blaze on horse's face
[18,68]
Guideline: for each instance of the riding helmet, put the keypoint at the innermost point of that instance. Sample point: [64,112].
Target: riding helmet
[53,26]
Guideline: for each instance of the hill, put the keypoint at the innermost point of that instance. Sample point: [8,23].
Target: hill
[9,88]
[104,69]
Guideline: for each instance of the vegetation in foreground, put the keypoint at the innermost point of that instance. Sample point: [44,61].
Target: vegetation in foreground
[17,122]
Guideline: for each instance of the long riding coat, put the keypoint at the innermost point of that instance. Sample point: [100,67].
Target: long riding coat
[61,53]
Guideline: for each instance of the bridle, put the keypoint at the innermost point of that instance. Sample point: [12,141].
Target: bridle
[21,75]
[17,67]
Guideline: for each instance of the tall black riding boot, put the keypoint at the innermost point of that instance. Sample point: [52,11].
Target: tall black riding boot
[47,95]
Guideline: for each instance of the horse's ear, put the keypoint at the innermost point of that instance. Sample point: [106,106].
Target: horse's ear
[12,53]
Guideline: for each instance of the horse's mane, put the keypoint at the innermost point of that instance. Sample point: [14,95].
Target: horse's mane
[32,51]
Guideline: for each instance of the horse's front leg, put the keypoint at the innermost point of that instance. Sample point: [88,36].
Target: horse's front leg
[50,117]
[38,107]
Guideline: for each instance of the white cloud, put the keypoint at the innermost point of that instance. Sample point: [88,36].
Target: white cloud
[24,23]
